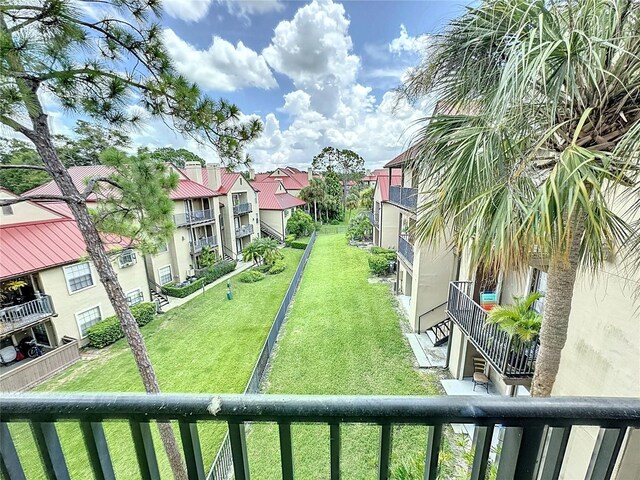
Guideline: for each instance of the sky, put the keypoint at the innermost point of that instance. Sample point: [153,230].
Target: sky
[317,74]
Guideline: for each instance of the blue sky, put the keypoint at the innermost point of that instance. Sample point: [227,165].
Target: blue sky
[317,73]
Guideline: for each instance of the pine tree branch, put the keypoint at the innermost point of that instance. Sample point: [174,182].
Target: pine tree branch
[91,184]
[34,198]
[18,127]
[26,167]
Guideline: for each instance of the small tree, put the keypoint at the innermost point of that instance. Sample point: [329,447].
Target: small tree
[346,163]
[359,228]
[96,68]
[300,224]
[208,256]
[352,202]
[315,193]
[519,320]
[88,144]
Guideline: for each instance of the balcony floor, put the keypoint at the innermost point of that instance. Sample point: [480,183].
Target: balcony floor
[7,368]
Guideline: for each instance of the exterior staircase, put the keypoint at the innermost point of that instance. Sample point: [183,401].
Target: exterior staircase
[270,232]
[156,294]
[439,333]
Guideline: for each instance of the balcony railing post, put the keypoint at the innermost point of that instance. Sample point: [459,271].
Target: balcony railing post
[9,455]
[335,447]
[238,440]
[434,435]
[384,456]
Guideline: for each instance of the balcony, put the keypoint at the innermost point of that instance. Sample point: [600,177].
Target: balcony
[535,435]
[194,217]
[19,316]
[495,345]
[405,248]
[196,246]
[404,197]
[242,209]
[244,230]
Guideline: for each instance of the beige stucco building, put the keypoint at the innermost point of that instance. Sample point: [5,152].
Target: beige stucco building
[276,206]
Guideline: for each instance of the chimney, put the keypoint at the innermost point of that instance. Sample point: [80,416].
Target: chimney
[194,171]
[310,173]
[215,176]
[252,174]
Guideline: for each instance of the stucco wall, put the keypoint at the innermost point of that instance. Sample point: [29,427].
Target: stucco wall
[390,223]
[25,212]
[273,219]
[67,304]
[249,195]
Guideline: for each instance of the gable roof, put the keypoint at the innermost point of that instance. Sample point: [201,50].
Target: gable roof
[403,158]
[185,188]
[383,185]
[380,172]
[293,178]
[270,199]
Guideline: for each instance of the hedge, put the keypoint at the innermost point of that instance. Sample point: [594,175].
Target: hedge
[378,264]
[109,330]
[208,276]
[298,245]
[181,292]
[288,239]
[385,252]
[278,267]
[251,276]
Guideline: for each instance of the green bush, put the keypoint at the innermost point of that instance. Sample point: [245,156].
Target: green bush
[378,264]
[300,224]
[263,268]
[288,239]
[218,270]
[278,267]
[385,252]
[334,221]
[251,276]
[298,245]
[109,330]
[181,292]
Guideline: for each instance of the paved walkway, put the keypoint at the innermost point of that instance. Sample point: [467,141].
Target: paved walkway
[176,302]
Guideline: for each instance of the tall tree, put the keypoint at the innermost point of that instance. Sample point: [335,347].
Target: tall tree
[88,142]
[95,68]
[537,132]
[346,163]
[314,193]
[177,157]
[16,152]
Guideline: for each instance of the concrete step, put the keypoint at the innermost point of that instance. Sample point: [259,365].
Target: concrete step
[418,352]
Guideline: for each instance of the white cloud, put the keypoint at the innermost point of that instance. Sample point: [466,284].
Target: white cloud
[243,8]
[222,67]
[406,43]
[187,10]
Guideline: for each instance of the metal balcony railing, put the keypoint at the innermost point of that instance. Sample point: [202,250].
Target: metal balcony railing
[242,209]
[404,197]
[405,248]
[193,217]
[18,316]
[534,440]
[497,346]
[197,245]
[244,230]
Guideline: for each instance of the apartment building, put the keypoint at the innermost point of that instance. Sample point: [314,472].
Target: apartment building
[50,291]
[293,179]
[276,206]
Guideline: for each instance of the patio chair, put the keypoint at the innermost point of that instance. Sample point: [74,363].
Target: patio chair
[479,374]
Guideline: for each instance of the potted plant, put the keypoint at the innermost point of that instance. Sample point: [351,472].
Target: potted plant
[521,322]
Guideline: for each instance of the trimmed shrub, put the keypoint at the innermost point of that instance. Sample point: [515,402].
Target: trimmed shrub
[298,245]
[218,270]
[109,330]
[251,276]
[385,252]
[288,239]
[300,223]
[180,292]
[334,221]
[278,267]
[263,268]
[378,264]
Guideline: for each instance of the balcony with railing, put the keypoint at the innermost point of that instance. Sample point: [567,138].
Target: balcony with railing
[242,209]
[504,354]
[405,249]
[193,217]
[244,230]
[24,314]
[532,445]
[197,245]
[404,197]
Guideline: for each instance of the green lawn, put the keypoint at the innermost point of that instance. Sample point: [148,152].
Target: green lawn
[208,345]
[342,336]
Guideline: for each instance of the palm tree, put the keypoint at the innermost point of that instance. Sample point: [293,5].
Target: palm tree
[314,193]
[519,320]
[535,137]
[351,203]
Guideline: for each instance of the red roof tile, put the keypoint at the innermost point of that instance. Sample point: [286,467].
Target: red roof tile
[185,189]
[383,185]
[32,246]
[268,199]
[293,179]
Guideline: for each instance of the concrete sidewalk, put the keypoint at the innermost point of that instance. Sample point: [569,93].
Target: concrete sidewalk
[176,302]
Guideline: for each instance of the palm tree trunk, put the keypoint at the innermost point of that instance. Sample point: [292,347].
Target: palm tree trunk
[561,279]
[315,210]
[41,138]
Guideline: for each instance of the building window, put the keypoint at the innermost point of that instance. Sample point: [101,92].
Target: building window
[164,274]
[127,258]
[78,277]
[88,318]
[134,297]
[7,210]
[163,247]
[539,284]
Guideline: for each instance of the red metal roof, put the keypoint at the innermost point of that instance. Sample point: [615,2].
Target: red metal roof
[401,159]
[269,199]
[383,185]
[185,189]
[293,179]
[380,172]
[32,246]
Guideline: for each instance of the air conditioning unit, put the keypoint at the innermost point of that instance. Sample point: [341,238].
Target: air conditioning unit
[127,259]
